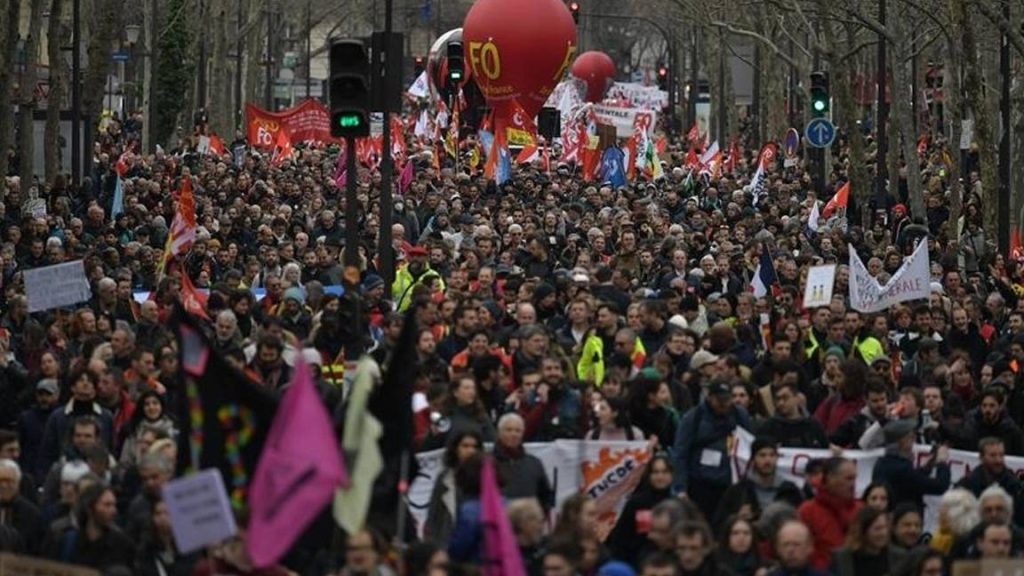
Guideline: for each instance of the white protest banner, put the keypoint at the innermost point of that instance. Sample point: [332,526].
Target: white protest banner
[911,282]
[607,471]
[199,509]
[623,119]
[55,286]
[792,462]
[649,97]
[820,282]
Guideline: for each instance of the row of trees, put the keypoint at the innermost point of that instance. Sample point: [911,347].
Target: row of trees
[791,37]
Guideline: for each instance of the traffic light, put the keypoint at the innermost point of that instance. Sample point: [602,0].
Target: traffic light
[456,64]
[419,65]
[820,99]
[574,9]
[663,77]
[349,89]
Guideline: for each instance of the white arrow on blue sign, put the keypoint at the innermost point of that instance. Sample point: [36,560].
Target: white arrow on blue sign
[820,132]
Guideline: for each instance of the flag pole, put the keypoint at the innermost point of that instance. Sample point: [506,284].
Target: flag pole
[403,501]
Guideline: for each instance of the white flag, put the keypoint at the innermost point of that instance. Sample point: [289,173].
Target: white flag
[812,220]
[422,127]
[911,282]
[420,88]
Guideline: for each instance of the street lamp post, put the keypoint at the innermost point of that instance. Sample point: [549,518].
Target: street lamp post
[881,169]
[131,34]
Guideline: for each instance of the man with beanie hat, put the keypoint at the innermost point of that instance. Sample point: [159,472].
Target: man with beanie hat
[896,467]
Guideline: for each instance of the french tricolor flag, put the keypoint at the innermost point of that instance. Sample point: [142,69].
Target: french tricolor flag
[765,279]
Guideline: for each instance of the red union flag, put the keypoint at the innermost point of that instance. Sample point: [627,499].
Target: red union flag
[308,121]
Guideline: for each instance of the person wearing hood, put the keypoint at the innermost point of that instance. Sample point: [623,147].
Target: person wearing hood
[896,468]
[789,425]
[295,316]
[761,485]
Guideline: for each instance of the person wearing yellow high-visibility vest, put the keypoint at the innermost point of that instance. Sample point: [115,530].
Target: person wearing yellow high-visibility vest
[601,337]
[415,273]
[865,345]
[817,340]
[591,367]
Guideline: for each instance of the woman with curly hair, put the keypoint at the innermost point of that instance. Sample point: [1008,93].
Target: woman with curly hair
[958,514]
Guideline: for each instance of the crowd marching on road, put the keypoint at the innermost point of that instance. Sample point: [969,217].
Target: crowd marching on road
[668,311]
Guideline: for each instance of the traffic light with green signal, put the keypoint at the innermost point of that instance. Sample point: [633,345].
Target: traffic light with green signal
[820,98]
[349,89]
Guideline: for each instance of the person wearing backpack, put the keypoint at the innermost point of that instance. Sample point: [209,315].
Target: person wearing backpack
[703,445]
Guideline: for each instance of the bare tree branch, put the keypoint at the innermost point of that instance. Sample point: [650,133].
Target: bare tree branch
[759,37]
[1013,35]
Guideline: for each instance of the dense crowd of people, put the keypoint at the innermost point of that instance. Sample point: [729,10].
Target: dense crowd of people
[547,308]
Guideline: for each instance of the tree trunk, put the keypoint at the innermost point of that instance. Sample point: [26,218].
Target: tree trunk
[105,23]
[254,55]
[953,107]
[11,16]
[148,43]
[1017,151]
[56,33]
[903,116]
[983,132]
[221,119]
[846,113]
[773,92]
[27,97]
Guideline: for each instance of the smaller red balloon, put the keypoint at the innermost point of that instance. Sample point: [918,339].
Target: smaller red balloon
[597,69]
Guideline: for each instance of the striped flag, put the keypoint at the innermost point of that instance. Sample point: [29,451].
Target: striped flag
[765,279]
[183,227]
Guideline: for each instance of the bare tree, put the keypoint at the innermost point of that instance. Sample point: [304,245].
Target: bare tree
[28,98]
[57,31]
[11,16]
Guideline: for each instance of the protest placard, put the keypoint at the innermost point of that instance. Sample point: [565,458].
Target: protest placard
[820,282]
[55,286]
[199,509]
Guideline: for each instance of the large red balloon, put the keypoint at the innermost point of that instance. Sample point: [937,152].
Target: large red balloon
[518,50]
[598,71]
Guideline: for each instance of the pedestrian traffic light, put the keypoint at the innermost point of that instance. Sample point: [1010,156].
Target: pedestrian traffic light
[574,9]
[349,89]
[663,77]
[456,64]
[819,94]
[419,65]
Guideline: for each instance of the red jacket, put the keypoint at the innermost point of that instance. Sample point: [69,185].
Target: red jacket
[828,517]
[835,410]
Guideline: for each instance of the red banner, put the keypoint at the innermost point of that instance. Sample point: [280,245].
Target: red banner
[309,121]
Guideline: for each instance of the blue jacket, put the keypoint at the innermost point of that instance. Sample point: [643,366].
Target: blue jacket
[702,434]
[468,535]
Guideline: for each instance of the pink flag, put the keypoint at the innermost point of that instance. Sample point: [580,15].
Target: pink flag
[405,179]
[501,555]
[341,170]
[298,472]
